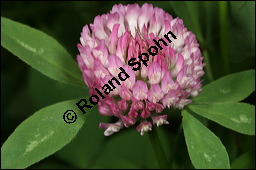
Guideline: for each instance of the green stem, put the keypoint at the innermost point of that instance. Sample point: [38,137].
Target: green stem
[178,135]
[224,35]
[175,149]
[208,70]
[158,149]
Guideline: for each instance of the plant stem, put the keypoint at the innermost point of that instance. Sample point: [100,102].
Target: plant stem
[224,35]
[158,149]
[208,70]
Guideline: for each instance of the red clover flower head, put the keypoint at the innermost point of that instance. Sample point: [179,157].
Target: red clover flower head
[136,62]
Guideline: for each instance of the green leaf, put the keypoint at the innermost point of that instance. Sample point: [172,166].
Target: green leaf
[40,51]
[244,161]
[239,117]
[205,149]
[41,135]
[230,88]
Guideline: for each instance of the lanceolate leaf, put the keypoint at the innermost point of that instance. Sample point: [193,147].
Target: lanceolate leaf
[205,149]
[40,51]
[236,116]
[41,135]
[231,88]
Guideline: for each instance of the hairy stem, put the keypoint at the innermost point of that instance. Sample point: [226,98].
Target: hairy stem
[158,149]
[224,35]
[208,70]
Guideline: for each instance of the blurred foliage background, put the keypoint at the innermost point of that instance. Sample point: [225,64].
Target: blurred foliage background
[225,31]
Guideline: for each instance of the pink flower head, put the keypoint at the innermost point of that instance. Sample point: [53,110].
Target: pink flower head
[142,60]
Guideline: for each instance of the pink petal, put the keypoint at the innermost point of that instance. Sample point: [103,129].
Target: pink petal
[140,90]
[155,93]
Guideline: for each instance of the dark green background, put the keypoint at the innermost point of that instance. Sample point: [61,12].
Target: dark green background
[24,90]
